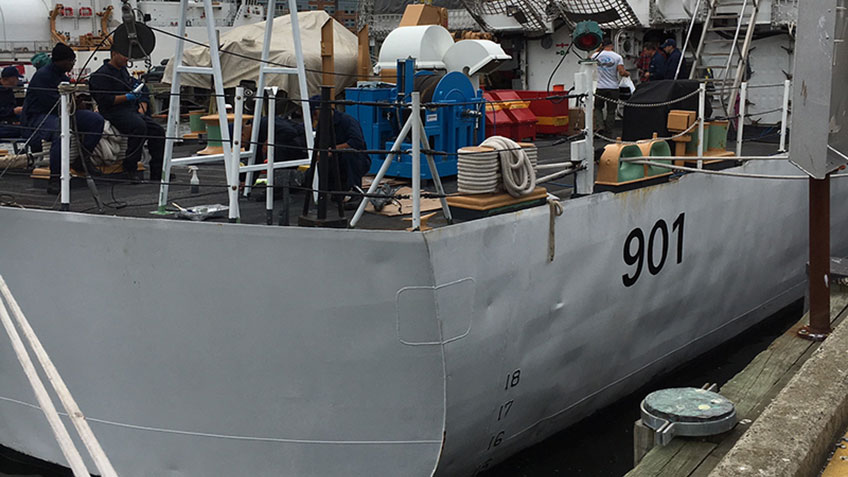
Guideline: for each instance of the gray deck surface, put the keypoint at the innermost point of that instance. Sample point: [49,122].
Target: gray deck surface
[138,200]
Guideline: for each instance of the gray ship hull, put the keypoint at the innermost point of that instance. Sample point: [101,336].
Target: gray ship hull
[209,349]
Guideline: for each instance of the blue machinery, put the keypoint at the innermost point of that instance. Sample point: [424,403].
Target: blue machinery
[456,119]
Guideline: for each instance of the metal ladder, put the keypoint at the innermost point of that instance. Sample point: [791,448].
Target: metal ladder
[721,57]
[232,153]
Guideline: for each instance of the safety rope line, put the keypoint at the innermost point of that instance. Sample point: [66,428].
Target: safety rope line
[643,141]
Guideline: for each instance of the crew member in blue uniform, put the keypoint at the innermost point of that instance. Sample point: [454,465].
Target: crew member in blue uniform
[112,88]
[353,164]
[41,112]
[10,112]
[673,58]
[658,65]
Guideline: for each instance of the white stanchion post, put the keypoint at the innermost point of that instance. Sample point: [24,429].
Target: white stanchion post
[785,117]
[740,124]
[584,181]
[416,161]
[702,102]
[65,145]
[235,156]
[269,170]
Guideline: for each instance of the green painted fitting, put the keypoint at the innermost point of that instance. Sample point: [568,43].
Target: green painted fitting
[629,171]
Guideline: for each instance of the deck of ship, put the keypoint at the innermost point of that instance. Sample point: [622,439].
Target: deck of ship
[17,188]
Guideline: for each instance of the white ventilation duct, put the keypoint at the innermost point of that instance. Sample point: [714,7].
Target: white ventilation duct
[426,43]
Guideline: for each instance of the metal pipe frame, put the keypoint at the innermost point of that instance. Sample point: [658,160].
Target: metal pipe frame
[785,115]
[407,126]
[264,69]
[688,37]
[173,111]
[416,160]
[236,150]
[702,100]
[740,123]
[65,145]
[269,170]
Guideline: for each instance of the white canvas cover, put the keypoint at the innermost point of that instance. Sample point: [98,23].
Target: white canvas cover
[247,40]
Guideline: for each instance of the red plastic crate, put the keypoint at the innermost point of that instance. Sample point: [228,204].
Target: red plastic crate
[520,112]
[498,121]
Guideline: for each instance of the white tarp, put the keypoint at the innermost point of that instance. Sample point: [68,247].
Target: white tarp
[247,40]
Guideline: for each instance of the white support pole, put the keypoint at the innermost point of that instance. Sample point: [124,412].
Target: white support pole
[702,101]
[173,111]
[101,461]
[437,180]
[65,145]
[785,117]
[416,160]
[59,431]
[236,154]
[260,87]
[590,138]
[382,172]
[584,182]
[269,171]
[304,93]
[740,123]
[222,108]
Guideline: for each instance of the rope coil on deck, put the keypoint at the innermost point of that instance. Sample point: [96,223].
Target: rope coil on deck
[517,171]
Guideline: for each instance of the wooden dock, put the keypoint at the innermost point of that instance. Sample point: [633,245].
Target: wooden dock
[751,391]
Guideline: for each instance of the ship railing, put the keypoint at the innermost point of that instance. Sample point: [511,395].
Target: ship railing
[24,47]
[738,119]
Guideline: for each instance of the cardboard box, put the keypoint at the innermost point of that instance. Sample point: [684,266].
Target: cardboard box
[576,121]
[420,14]
[680,120]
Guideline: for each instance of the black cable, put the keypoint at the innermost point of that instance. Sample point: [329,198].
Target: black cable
[561,60]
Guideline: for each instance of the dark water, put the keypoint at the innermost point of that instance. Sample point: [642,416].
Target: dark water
[598,446]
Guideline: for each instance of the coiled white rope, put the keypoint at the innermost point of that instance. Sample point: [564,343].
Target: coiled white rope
[519,178]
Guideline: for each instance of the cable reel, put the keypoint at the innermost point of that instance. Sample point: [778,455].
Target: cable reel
[133,38]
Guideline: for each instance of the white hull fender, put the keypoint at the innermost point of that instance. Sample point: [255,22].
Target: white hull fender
[212,349]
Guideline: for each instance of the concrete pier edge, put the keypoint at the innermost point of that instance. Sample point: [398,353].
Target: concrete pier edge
[795,433]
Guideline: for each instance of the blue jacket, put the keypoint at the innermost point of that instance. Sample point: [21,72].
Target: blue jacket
[108,82]
[657,69]
[671,65]
[7,105]
[353,164]
[43,92]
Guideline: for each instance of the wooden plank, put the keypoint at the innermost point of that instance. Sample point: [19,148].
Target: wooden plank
[691,454]
[328,65]
[493,201]
[363,60]
[657,459]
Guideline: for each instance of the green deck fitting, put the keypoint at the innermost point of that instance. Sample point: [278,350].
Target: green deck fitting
[717,138]
[629,171]
[195,123]
[659,149]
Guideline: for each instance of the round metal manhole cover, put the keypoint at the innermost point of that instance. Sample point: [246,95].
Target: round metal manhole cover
[688,405]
